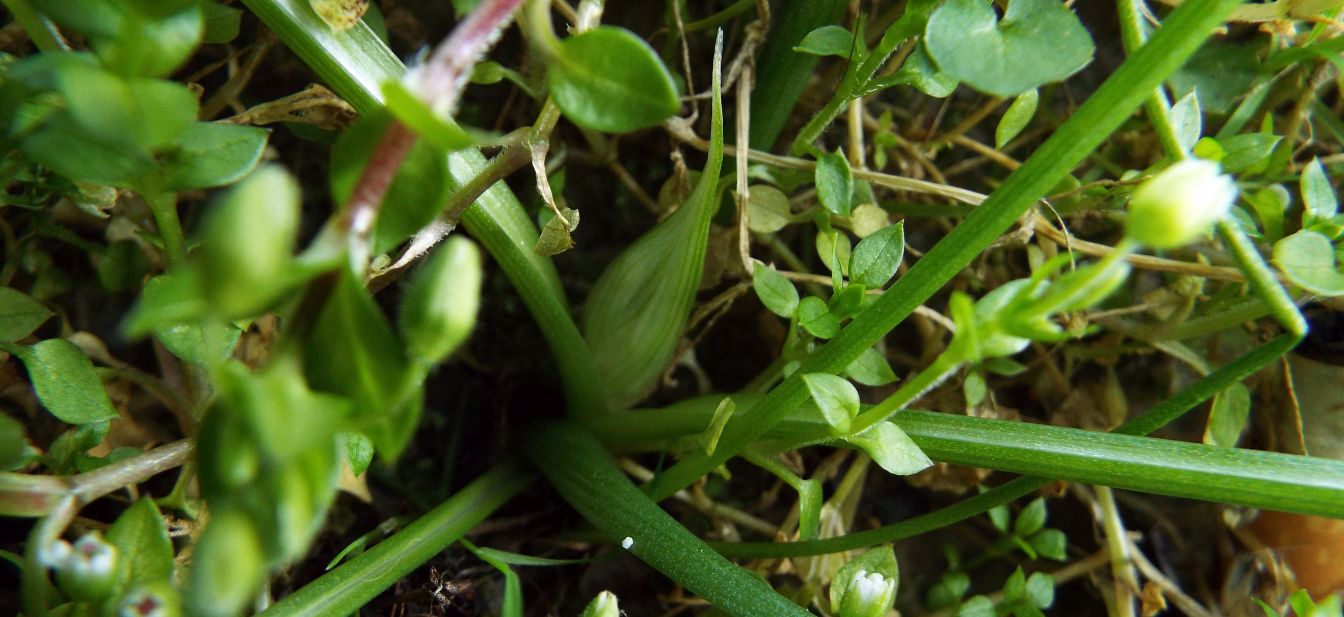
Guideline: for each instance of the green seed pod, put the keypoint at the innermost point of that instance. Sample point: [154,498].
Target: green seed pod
[603,605]
[249,238]
[439,309]
[1180,204]
[227,567]
[638,308]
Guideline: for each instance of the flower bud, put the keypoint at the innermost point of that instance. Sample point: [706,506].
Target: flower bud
[157,599]
[248,242]
[868,595]
[603,605]
[1179,204]
[88,570]
[440,306]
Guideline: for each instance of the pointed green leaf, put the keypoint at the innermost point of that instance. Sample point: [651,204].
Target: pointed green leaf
[145,554]
[878,256]
[891,449]
[870,369]
[1187,120]
[776,292]
[65,381]
[608,79]
[354,352]
[835,183]
[829,40]
[1228,415]
[1317,194]
[19,314]
[836,398]
[1016,118]
[1031,519]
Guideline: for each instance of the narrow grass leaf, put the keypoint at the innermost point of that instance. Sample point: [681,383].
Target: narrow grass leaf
[582,471]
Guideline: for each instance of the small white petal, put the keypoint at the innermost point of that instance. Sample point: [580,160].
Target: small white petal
[627,543]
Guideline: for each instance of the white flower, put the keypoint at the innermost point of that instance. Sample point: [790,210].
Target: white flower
[868,595]
[1179,204]
[627,543]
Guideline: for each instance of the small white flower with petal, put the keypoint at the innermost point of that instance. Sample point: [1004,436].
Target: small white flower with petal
[1179,204]
[869,595]
[88,571]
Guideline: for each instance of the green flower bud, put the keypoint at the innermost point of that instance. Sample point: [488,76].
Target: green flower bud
[603,605]
[1180,204]
[153,600]
[440,305]
[248,242]
[868,595]
[86,571]
[227,567]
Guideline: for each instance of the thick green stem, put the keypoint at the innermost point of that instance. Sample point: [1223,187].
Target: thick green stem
[39,30]
[1132,36]
[580,468]
[1261,279]
[163,205]
[1185,30]
[344,590]
[1155,418]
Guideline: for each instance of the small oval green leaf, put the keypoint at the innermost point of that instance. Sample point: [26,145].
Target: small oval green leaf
[775,291]
[608,79]
[19,314]
[65,382]
[1016,118]
[877,257]
[835,397]
[835,183]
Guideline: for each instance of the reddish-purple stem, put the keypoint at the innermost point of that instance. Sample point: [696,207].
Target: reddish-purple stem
[439,84]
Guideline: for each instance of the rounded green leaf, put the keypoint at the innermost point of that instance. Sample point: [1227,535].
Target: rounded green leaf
[1037,42]
[210,154]
[1308,260]
[877,257]
[19,314]
[608,79]
[767,209]
[837,399]
[65,382]
[775,291]
[816,318]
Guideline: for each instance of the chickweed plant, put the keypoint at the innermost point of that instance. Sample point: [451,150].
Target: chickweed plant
[953,307]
